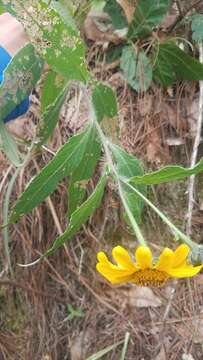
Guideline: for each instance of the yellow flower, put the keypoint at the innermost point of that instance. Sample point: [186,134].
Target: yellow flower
[144,271]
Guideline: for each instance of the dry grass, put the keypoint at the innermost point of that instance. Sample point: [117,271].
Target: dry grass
[34,316]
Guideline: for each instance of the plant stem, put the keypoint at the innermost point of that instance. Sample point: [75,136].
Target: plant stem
[131,218]
[180,234]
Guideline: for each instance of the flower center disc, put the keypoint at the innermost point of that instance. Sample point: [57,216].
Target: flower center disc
[150,277]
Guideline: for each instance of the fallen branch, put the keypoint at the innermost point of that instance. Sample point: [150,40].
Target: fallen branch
[191,184]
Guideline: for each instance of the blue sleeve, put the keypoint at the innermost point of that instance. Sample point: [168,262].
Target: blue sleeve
[24,105]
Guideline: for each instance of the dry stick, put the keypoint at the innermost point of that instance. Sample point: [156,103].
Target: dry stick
[190,192]
[194,152]
[181,16]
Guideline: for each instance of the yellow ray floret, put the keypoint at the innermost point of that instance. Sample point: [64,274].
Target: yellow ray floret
[144,271]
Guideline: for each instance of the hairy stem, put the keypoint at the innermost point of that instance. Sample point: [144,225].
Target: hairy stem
[131,218]
[165,219]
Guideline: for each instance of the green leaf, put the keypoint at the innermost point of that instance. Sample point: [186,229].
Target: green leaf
[143,75]
[54,82]
[63,164]
[164,72]
[114,53]
[72,313]
[84,171]
[167,174]
[81,215]
[183,65]
[127,165]
[20,77]
[137,69]
[104,102]
[147,15]
[128,63]
[9,145]
[5,8]
[54,35]
[116,13]
[197,27]
[51,104]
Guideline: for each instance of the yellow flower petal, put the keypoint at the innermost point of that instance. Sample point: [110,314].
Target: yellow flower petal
[180,255]
[186,271]
[101,256]
[165,261]
[112,269]
[143,257]
[123,259]
[143,272]
[115,276]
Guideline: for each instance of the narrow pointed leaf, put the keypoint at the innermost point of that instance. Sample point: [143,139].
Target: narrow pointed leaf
[63,164]
[167,174]
[51,104]
[81,215]
[84,171]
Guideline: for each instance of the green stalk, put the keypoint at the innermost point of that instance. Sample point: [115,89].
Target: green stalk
[179,233]
[131,218]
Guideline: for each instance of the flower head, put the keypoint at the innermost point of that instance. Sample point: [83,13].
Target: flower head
[144,271]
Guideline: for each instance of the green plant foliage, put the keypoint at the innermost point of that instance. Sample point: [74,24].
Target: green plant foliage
[163,72]
[147,15]
[114,53]
[5,8]
[9,145]
[126,165]
[84,171]
[116,13]
[104,102]
[171,59]
[197,27]
[81,215]
[63,164]
[137,69]
[167,174]
[54,35]
[54,82]
[74,313]
[24,70]
[51,103]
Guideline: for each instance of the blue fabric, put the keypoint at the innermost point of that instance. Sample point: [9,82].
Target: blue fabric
[24,105]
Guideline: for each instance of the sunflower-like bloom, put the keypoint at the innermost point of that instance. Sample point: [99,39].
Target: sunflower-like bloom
[144,271]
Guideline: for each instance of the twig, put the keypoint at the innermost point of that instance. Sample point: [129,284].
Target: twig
[181,16]
[195,152]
